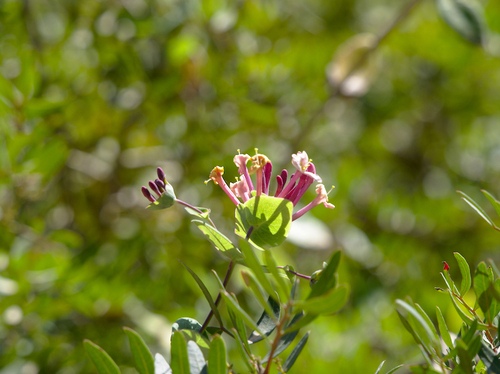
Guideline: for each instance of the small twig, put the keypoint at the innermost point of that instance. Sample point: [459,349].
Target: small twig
[219,297]
[303,276]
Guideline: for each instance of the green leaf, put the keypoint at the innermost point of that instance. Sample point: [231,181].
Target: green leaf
[283,288]
[102,361]
[196,359]
[290,360]
[219,240]
[443,329]
[166,200]
[380,367]
[326,280]
[474,346]
[465,271]
[328,303]
[465,362]
[179,355]
[422,323]
[466,20]
[254,264]
[493,201]
[423,370]
[428,321]
[186,323]
[299,321]
[475,206]
[489,358]
[409,328]
[161,365]
[206,293]
[205,212]
[239,326]
[268,217]
[483,287]
[143,358]
[231,303]
[252,282]
[394,369]
[266,322]
[217,356]
[244,353]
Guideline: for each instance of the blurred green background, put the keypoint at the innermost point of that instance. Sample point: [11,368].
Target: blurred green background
[96,94]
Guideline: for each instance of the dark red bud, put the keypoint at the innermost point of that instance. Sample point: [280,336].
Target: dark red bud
[147,194]
[160,184]
[161,175]
[284,176]
[154,188]
[446,267]
[279,181]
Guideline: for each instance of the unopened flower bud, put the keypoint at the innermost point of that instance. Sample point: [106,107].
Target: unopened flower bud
[446,266]
[160,184]
[147,194]
[154,188]
[161,175]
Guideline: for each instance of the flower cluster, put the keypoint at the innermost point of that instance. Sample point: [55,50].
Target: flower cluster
[158,186]
[261,166]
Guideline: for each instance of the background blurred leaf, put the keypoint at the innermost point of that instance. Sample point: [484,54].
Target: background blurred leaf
[464,18]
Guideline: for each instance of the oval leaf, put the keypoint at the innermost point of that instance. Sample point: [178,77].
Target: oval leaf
[290,360]
[143,358]
[196,359]
[267,218]
[179,356]
[465,271]
[219,240]
[161,365]
[102,361]
[327,303]
[217,356]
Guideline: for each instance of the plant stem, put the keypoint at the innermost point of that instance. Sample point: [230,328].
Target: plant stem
[277,338]
[303,276]
[219,297]
[195,209]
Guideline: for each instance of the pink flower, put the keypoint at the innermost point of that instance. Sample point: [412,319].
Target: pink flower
[216,176]
[299,182]
[321,198]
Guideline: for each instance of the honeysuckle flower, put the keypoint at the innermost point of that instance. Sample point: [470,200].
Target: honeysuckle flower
[321,198]
[302,162]
[216,176]
[241,162]
[259,163]
[261,167]
[240,189]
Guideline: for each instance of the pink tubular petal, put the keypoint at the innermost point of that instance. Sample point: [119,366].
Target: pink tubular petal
[284,176]
[241,162]
[290,184]
[268,169]
[279,182]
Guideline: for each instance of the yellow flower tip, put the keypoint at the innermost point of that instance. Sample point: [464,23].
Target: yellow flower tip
[258,162]
[216,174]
